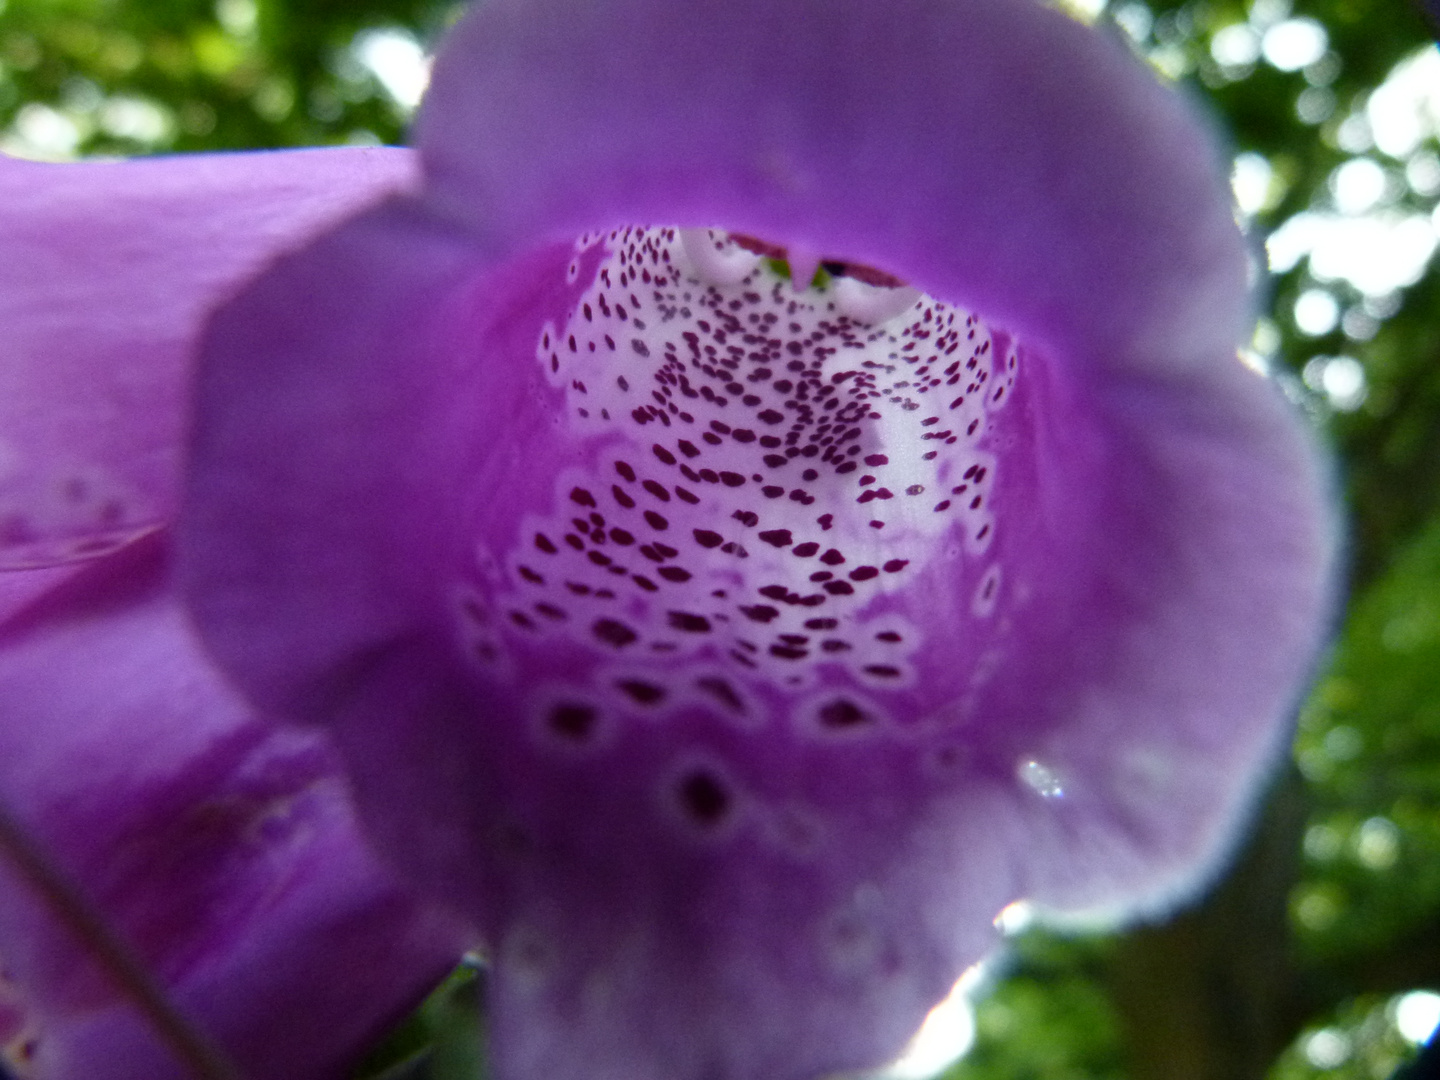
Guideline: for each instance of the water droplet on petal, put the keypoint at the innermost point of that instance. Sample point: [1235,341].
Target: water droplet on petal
[1040,779]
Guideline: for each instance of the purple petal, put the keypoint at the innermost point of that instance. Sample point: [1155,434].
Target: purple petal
[109,269]
[733,763]
[224,851]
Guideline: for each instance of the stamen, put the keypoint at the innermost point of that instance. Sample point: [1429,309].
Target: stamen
[870,304]
[717,266]
[803,265]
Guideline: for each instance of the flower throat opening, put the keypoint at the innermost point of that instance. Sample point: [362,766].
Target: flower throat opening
[773,465]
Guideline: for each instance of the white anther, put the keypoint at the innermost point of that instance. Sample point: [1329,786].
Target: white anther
[803,265]
[717,267]
[872,304]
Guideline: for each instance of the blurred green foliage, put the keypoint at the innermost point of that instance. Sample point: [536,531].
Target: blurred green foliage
[183,75]
[1362,903]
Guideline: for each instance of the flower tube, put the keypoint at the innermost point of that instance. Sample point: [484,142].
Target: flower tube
[783,489]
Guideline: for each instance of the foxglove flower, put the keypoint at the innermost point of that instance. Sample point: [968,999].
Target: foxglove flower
[734,640]
[162,841]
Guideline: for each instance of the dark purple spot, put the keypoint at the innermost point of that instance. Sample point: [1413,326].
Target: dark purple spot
[643,692]
[625,470]
[835,645]
[877,459]
[663,454]
[657,522]
[832,558]
[730,479]
[621,537]
[842,713]
[883,671]
[894,566]
[686,496]
[613,633]
[575,541]
[806,549]
[621,497]
[704,798]
[787,652]
[770,416]
[583,497]
[888,635]
[772,492]
[777,537]
[574,722]
[674,573]
[691,624]
[688,448]
[706,538]
[746,517]
[723,692]
[544,543]
[656,489]
[838,588]
[531,575]
[774,461]
[761,613]
[550,611]
[644,582]
[864,573]
[821,624]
